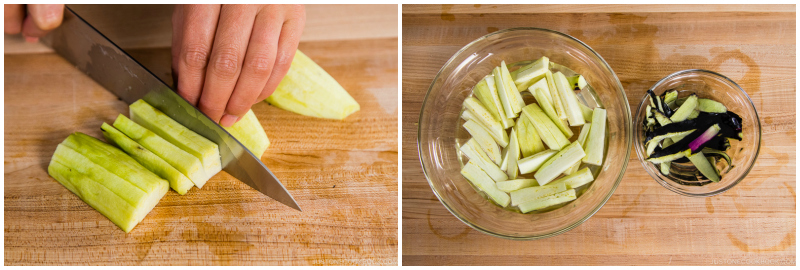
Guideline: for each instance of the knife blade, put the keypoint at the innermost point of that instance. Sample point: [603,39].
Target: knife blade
[110,66]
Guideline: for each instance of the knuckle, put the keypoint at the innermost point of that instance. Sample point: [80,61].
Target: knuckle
[195,56]
[260,65]
[226,63]
[284,60]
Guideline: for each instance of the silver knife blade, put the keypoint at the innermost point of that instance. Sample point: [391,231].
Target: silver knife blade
[94,54]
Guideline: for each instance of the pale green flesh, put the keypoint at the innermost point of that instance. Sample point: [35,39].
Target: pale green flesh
[529,141]
[175,133]
[711,106]
[559,163]
[595,143]
[506,99]
[532,163]
[548,201]
[309,90]
[95,195]
[512,88]
[651,145]
[577,81]
[555,98]
[701,163]
[113,160]
[484,183]
[516,184]
[685,109]
[577,179]
[475,155]
[118,199]
[538,90]
[177,181]
[550,134]
[527,75]
[486,92]
[569,100]
[186,163]
[512,156]
[123,188]
[586,111]
[485,140]
[495,129]
[250,133]
[532,193]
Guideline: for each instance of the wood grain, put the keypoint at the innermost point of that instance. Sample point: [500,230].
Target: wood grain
[150,26]
[643,223]
[342,173]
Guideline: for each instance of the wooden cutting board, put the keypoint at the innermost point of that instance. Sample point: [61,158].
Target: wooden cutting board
[342,173]
[643,223]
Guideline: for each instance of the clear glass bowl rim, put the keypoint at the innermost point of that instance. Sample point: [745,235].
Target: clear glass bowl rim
[571,226]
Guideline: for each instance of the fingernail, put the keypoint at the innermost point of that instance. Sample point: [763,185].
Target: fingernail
[228,120]
[31,39]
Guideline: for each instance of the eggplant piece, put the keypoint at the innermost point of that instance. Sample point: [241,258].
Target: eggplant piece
[659,103]
[669,97]
[711,106]
[707,135]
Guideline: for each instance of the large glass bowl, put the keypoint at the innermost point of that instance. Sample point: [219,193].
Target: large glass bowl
[440,131]
[707,84]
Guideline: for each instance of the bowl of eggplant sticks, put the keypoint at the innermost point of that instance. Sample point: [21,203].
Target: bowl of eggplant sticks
[525,133]
[697,133]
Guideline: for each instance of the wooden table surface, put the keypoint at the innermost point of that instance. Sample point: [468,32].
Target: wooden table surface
[342,173]
[643,223]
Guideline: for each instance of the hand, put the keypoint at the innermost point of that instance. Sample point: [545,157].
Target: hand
[34,21]
[228,57]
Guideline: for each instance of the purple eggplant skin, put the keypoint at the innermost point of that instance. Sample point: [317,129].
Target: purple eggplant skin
[730,125]
[660,106]
[707,135]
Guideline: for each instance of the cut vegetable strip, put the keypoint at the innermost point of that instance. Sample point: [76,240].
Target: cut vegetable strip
[577,82]
[307,89]
[487,144]
[475,155]
[482,181]
[532,163]
[539,90]
[125,201]
[177,181]
[175,133]
[113,160]
[685,110]
[512,156]
[577,179]
[516,184]
[696,144]
[569,100]
[474,106]
[486,92]
[507,97]
[529,74]
[559,163]
[529,141]
[549,132]
[548,201]
[710,106]
[595,144]
[536,192]
[510,86]
[186,163]
[250,133]
[555,99]
[701,163]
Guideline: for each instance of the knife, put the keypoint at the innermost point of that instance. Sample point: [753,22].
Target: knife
[94,54]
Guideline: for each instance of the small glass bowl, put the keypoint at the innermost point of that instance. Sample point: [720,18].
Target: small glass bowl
[439,136]
[706,84]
